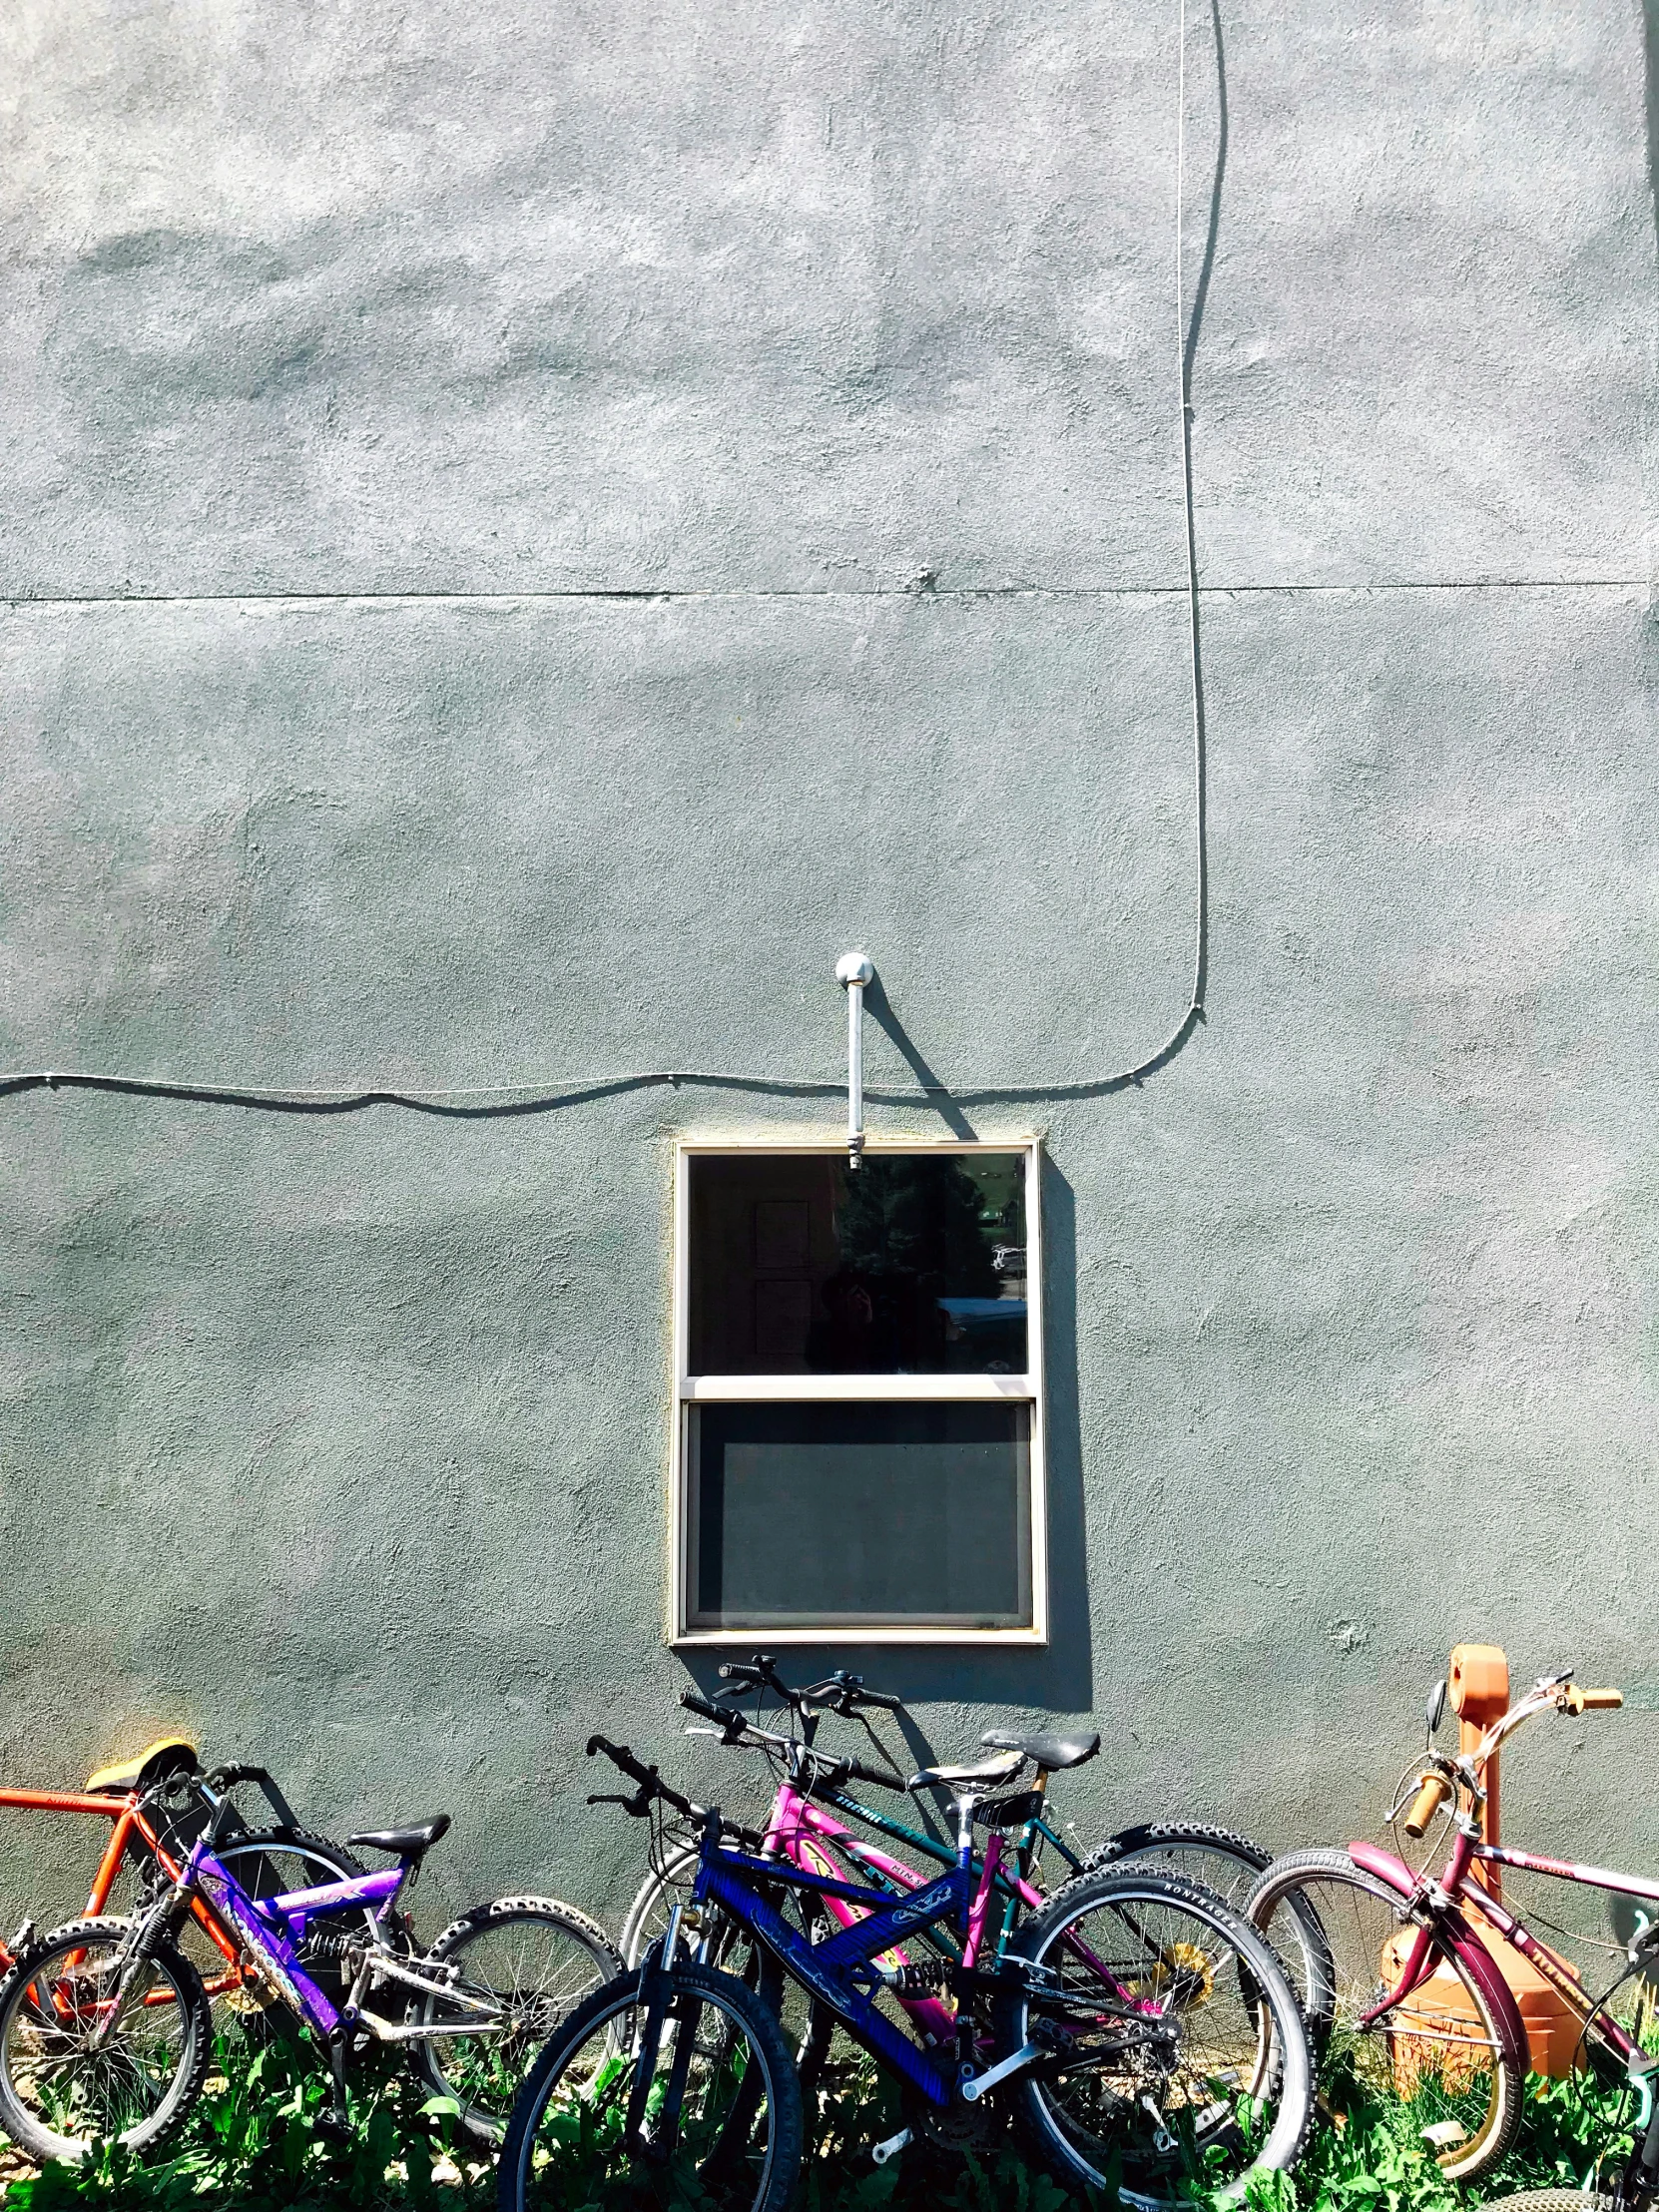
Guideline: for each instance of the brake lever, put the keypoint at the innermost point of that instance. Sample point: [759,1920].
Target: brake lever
[635,1806]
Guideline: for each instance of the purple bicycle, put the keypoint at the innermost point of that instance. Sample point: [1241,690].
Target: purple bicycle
[105,2032]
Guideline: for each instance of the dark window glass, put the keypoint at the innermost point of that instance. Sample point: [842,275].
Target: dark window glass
[847,1516]
[913,1264]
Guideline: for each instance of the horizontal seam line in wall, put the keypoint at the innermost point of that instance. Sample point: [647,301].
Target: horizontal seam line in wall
[679,594]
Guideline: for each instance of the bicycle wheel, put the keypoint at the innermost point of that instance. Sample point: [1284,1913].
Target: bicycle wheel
[716,2103]
[809,2027]
[1192,2075]
[1444,2054]
[1218,1858]
[83,2060]
[536,1957]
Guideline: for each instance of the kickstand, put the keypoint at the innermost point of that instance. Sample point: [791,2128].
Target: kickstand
[335,2125]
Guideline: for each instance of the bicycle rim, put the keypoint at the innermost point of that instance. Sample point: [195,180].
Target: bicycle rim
[718,2105]
[1440,2057]
[83,2060]
[1205,2093]
[537,1965]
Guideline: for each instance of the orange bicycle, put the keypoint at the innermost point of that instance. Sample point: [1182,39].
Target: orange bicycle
[267,1861]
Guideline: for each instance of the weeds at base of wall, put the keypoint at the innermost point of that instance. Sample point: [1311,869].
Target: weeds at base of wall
[253,2145]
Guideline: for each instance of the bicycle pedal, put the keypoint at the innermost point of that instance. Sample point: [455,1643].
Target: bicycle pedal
[334,2129]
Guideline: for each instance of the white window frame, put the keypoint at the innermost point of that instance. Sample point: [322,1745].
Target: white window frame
[689,1391]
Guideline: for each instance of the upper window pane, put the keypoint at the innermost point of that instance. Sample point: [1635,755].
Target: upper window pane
[914,1264]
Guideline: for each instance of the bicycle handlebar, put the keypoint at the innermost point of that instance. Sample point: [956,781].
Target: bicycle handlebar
[761,1673]
[828,1773]
[858,1772]
[733,1726]
[841,1692]
[844,1693]
[1432,1791]
[652,1788]
[651,1784]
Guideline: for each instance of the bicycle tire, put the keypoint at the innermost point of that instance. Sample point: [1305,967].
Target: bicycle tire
[32,2030]
[1307,1905]
[537,2013]
[1262,2036]
[605,2020]
[809,2025]
[1219,1857]
[1550,2200]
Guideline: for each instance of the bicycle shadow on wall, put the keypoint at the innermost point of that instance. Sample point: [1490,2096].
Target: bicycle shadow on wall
[1057,1677]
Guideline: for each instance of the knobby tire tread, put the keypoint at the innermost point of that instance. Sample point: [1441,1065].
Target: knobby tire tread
[187,2084]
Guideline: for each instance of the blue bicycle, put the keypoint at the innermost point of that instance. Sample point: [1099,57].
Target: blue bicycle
[1140,2033]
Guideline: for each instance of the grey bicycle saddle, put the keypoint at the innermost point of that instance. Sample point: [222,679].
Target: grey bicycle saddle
[991,1773]
[1049,1751]
[403,1842]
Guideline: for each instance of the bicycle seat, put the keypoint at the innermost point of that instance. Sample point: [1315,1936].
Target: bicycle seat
[1051,1753]
[167,1755]
[403,1842]
[991,1773]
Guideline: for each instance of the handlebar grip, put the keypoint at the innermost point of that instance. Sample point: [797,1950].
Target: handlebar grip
[620,1756]
[1600,1701]
[707,1706]
[884,1698]
[711,1711]
[1431,1797]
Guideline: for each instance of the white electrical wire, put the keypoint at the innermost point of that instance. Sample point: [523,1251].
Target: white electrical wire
[552,1091]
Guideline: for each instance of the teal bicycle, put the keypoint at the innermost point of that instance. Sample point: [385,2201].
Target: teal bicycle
[806,1825]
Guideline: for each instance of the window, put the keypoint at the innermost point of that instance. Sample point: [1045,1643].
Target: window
[859,1422]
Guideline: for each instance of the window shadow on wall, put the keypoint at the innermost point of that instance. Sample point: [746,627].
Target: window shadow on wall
[1057,1678]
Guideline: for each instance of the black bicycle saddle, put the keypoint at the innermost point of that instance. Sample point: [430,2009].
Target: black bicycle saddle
[403,1842]
[1048,1751]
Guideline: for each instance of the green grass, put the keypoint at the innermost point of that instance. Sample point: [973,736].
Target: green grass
[253,2146]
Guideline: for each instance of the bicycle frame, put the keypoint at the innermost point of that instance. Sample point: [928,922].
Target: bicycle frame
[794,1819]
[1035,1829]
[1442,1908]
[129,1822]
[729,1878]
[1446,1923]
[272,1929]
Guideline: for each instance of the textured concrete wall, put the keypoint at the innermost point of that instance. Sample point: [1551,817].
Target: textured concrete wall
[522,540]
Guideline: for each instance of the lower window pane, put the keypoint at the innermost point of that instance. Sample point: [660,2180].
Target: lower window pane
[859,1515]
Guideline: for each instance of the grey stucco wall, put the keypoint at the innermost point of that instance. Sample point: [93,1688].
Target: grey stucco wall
[465,492]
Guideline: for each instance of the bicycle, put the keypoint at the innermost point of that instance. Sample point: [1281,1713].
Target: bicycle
[1220,1859]
[799,1829]
[265,1859]
[1397,1969]
[103,2023]
[1176,2058]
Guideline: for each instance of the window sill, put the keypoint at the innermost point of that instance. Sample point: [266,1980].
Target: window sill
[862,1389]
[707,1639]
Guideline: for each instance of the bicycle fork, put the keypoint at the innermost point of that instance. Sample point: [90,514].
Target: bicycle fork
[154,1925]
[656,1990]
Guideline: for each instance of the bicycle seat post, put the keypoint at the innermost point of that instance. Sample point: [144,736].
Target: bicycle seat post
[967,1800]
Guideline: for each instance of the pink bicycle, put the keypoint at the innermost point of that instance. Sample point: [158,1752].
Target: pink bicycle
[1398,1970]
[1189,1932]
